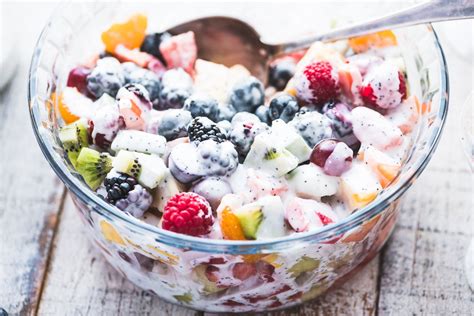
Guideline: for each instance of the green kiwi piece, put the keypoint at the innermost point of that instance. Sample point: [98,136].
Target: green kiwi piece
[250,219]
[93,166]
[74,137]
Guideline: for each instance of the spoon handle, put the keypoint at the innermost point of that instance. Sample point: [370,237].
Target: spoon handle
[431,11]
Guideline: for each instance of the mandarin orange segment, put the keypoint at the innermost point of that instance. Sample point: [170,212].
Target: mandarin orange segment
[230,226]
[361,200]
[387,173]
[252,258]
[110,233]
[63,109]
[379,39]
[129,34]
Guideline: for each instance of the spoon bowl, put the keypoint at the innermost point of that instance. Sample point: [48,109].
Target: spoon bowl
[229,41]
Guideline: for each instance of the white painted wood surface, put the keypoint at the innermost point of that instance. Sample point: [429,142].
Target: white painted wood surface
[48,267]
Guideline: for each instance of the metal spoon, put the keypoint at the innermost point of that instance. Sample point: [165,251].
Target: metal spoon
[230,41]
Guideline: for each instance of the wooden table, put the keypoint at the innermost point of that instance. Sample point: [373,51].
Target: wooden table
[48,267]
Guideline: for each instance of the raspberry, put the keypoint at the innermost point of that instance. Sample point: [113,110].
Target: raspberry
[322,85]
[188,213]
[380,88]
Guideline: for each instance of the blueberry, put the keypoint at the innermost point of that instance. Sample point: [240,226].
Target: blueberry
[225,127]
[146,78]
[225,112]
[243,135]
[262,112]
[341,122]
[176,87]
[281,72]
[200,104]
[106,77]
[312,126]
[212,189]
[283,106]
[174,123]
[244,118]
[151,44]
[247,94]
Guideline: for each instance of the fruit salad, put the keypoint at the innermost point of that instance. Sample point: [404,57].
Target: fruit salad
[211,151]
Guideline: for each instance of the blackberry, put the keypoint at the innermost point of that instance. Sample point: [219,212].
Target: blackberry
[217,159]
[124,192]
[202,128]
[151,44]
[106,77]
[247,95]
[200,104]
[118,187]
[283,106]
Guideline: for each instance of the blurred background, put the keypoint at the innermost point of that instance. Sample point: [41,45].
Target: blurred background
[33,226]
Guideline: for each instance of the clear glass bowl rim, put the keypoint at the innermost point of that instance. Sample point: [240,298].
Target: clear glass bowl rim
[110,212]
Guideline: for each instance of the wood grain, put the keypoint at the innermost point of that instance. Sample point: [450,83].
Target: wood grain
[30,196]
[422,268]
[81,282]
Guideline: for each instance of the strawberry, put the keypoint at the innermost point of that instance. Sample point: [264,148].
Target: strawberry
[180,51]
[384,87]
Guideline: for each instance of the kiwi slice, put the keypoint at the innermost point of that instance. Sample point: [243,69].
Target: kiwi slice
[74,137]
[250,219]
[93,166]
[271,154]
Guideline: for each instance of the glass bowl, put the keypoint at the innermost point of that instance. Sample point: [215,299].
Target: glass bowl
[182,269]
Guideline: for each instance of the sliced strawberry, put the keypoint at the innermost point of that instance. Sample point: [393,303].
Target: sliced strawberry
[243,270]
[180,51]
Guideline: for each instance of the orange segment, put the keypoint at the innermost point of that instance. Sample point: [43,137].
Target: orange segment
[230,226]
[63,109]
[110,233]
[361,200]
[130,34]
[379,39]
[386,174]
[252,258]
